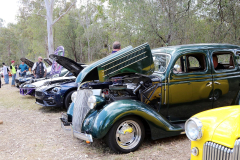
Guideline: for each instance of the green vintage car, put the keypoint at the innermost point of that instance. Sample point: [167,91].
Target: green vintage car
[138,90]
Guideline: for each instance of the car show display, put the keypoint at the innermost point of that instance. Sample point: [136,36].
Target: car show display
[28,88]
[139,91]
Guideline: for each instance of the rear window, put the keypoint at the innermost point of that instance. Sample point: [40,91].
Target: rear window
[223,60]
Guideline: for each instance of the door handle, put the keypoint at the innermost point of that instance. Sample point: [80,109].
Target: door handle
[217,83]
[209,84]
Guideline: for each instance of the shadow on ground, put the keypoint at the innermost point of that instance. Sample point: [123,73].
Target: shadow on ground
[101,147]
[51,110]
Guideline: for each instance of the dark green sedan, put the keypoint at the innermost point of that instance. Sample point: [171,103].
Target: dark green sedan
[151,91]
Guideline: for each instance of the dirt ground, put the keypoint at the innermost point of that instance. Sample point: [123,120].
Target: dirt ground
[30,131]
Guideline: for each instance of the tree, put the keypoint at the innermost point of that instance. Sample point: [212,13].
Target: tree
[37,7]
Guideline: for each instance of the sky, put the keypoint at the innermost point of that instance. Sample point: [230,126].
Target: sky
[8,10]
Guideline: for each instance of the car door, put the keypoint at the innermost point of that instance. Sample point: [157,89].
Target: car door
[189,85]
[226,80]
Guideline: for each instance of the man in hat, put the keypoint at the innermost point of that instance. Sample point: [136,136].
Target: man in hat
[13,72]
[5,73]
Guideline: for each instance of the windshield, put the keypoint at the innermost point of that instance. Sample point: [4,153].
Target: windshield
[161,62]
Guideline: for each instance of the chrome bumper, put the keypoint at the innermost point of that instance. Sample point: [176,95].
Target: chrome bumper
[83,136]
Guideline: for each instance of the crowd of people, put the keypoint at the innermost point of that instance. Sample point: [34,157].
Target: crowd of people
[13,70]
[39,68]
[39,71]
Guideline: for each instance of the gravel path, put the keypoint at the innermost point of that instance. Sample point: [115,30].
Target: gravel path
[30,132]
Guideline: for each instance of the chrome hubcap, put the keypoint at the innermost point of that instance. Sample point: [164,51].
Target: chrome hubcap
[128,134]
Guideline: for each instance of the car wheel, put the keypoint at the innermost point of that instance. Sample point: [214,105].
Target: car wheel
[215,95]
[68,100]
[126,135]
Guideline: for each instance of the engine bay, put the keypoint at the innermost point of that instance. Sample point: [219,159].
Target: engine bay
[134,87]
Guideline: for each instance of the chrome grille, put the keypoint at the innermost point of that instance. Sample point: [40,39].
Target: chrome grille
[236,150]
[214,151]
[80,108]
[39,93]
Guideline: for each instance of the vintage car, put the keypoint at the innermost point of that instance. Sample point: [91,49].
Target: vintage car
[59,94]
[214,134]
[156,92]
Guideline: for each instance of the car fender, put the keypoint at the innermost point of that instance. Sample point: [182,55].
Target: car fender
[114,111]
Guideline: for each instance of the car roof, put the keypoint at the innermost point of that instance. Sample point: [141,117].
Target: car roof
[174,49]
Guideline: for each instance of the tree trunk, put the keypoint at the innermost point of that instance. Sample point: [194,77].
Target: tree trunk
[50,38]
[49,17]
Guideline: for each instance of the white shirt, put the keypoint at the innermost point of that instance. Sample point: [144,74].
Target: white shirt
[5,70]
[35,65]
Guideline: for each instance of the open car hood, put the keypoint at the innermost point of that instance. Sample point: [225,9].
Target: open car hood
[69,64]
[48,61]
[27,61]
[126,61]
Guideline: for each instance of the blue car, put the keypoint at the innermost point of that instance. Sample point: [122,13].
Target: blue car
[57,95]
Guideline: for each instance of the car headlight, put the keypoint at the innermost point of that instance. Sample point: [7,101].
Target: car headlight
[193,128]
[56,89]
[29,86]
[92,101]
[73,96]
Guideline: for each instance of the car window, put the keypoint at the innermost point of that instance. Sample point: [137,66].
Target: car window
[191,62]
[179,66]
[161,62]
[223,60]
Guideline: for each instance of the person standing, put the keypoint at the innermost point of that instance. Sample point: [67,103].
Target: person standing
[5,73]
[23,69]
[39,69]
[116,46]
[13,72]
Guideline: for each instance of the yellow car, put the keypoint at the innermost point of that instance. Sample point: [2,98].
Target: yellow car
[215,134]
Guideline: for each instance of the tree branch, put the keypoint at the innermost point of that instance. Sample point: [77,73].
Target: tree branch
[65,4]
[187,9]
[64,13]
[208,3]
[40,14]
